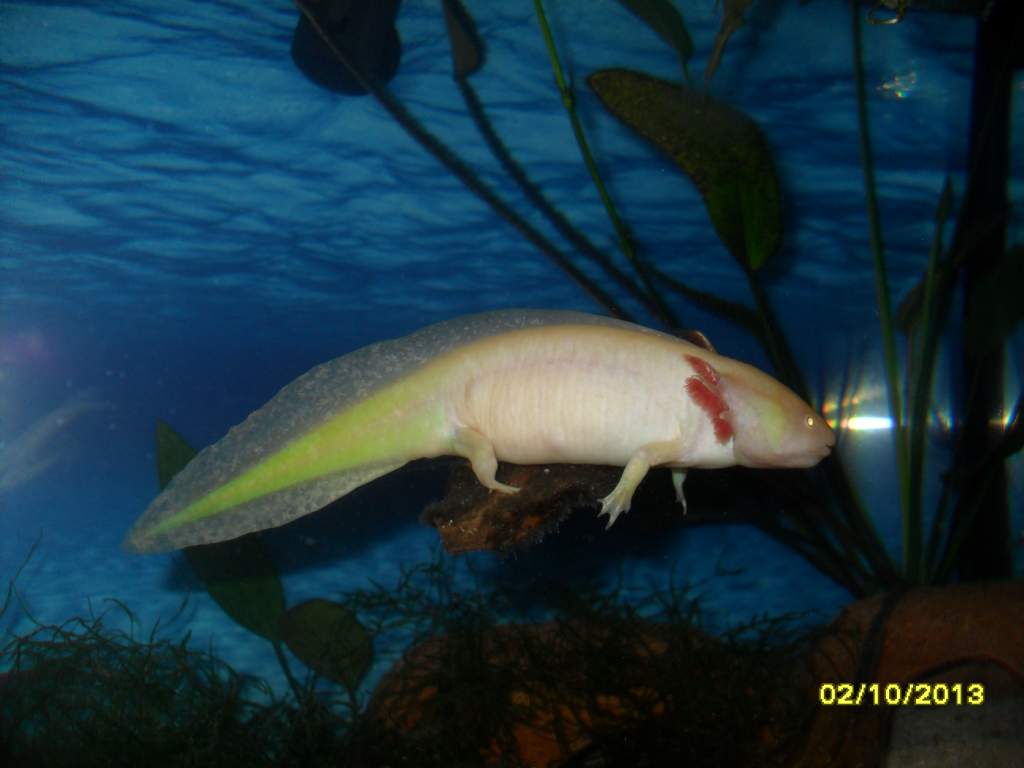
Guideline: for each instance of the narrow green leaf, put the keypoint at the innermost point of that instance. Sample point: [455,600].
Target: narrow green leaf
[908,311]
[667,22]
[733,17]
[945,206]
[329,639]
[467,48]
[940,268]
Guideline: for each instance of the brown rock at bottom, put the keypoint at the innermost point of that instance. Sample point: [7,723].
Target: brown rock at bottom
[543,721]
[954,634]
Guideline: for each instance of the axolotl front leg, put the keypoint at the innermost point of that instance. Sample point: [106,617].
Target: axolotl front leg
[647,456]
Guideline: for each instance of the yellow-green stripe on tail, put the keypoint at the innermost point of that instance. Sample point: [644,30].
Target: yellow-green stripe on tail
[526,386]
[358,439]
[335,428]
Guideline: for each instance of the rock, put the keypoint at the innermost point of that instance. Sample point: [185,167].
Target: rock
[963,633]
[470,517]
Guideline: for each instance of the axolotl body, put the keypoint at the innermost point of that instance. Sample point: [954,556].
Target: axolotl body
[524,386]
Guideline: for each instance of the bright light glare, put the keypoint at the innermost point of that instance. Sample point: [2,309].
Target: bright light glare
[867,423]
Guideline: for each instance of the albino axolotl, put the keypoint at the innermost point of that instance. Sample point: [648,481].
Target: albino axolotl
[524,386]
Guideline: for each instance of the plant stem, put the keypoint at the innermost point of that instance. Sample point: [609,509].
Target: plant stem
[574,236]
[458,168]
[853,528]
[283,661]
[937,296]
[911,516]
[778,349]
[625,239]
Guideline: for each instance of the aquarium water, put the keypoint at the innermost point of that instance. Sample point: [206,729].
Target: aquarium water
[188,223]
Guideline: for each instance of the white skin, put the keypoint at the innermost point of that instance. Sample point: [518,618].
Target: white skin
[523,386]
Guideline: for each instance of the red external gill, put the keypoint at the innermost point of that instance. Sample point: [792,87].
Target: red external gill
[703,390]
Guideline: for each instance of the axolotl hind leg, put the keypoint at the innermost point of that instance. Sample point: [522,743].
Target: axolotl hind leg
[652,454]
[475,446]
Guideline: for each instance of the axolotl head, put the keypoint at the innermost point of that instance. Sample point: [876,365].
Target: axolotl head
[772,427]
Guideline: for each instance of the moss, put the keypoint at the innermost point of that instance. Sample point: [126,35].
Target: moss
[592,679]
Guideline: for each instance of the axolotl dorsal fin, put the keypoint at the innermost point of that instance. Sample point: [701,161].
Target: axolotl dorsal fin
[299,408]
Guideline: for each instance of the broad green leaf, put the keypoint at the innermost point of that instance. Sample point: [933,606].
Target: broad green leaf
[239,575]
[329,639]
[721,149]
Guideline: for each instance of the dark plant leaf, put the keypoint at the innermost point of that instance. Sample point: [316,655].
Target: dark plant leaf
[732,19]
[329,639]
[945,207]
[172,453]
[721,149]
[362,32]
[467,49]
[995,307]
[667,22]
[910,309]
[239,575]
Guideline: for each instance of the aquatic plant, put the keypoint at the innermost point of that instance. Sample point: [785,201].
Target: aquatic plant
[600,681]
[747,215]
[89,692]
[483,681]
[975,262]
[722,151]
[86,693]
[240,576]
[594,677]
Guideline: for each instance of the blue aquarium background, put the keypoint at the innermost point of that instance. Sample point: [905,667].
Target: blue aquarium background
[188,223]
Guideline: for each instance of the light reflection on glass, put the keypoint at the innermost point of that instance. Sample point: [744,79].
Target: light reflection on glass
[899,86]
